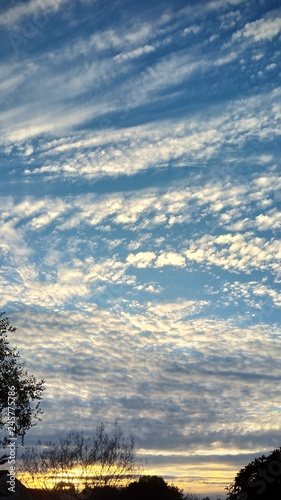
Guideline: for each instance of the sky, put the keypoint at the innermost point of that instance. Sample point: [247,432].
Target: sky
[140,223]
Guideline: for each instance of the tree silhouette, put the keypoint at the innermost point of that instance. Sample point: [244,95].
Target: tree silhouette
[259,480]
[20,393]
[152,488]
[100,459]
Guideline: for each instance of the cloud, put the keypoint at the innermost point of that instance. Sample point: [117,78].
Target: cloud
[139,33]
[226,59]
[34,8]
[45,78]
[170,259]
[271,66]
[230,19]
[130,151]
[271,221]
[176,311]
[260,297]
[222,4]
[141,259]
[140,251]
[147,49]
[174,364]
[241,252]
[231,211]
[12,245]
[108,271]
[262,29]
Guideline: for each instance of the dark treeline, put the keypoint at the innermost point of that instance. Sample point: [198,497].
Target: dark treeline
[146,488]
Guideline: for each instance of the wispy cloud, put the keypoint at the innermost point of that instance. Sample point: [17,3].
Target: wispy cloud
[35,8]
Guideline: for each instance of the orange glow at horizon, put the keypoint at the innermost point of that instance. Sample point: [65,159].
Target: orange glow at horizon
[201,479]
[79,477]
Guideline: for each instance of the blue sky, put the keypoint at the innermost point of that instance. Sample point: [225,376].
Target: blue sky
[140,222]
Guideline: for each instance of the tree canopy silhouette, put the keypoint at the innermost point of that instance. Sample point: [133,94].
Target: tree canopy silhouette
[20,393]
[259,480]
[152,487]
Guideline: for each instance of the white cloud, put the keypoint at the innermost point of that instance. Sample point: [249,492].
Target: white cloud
[229,20]
[226,59]
[139,33]
[241,252]
[106,271]
[257,57]
[29,290]
[269,222]
[34,8]
[226,204]
[141,259]
[147,49]
[41,84]
[155,145]
[271,66]
[176,311]
[170,259]
[29,150]
[219,4]
[262,29]
[50,214]
[130,155]
[12,244]
[258,297]
[191,29]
